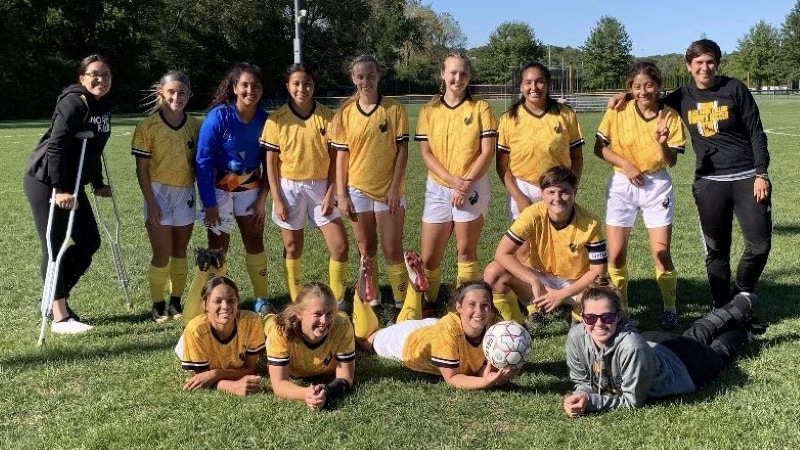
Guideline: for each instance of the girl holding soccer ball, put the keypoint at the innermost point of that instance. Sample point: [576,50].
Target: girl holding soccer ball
[613,366]
[309,339]
[164,144]
[302,173]
[450,346]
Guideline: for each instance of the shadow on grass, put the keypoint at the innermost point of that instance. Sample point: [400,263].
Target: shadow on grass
[83,353]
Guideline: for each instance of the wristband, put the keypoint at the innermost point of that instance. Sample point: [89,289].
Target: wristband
[336,388]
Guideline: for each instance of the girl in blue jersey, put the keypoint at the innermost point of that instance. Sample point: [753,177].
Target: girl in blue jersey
[230,176]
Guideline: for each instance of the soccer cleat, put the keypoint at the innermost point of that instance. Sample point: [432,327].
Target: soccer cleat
[416,271]
[263,307]
[201,259]
[429,309]
[174,309]
[69,326]
[364,287]
[157,312]
[669,320]
[535,322]
[216,257]
[346,306]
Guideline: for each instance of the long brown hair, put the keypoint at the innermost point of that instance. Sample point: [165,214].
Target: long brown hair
[601,288]
[336,122]
[550,104]
[224,93]
[288,321]
[436,100]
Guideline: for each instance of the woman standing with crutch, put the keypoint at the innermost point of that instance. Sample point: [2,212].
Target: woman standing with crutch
[51,176]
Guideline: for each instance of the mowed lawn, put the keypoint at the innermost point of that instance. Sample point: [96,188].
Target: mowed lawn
[119,386]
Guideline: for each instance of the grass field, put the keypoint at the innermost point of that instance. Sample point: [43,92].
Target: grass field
[119,386]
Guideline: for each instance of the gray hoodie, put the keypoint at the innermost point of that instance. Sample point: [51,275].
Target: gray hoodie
[626,371]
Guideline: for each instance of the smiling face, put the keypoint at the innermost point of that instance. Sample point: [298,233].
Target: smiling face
[96,79]
[176,95]
[601,333]
[559,200]
[456,75]
[474,310]
[316,319]
[365,78]
[703,69]
[300,87]
[645,90]
[534,87]
[222,307]
[248,91]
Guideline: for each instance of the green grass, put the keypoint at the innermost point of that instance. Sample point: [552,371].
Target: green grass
[119,386]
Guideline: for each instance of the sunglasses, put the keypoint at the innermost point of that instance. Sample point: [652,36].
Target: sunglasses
[607,318]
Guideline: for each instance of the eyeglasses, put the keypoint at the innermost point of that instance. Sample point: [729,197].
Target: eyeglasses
[101,75]
[607,318]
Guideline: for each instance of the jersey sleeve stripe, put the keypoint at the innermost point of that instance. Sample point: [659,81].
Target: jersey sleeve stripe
[447,363]
[192,365]
[576,143]
[597,252]
[275,361]
[488,134]
[403,138]
[270,147]
[420,137]
[142,153]
[517,240]
[503,149]
[256,351]
[679,149]
[603,138]
[340,147]
[346,357]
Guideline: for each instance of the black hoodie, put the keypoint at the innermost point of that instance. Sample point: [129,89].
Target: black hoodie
[55,159]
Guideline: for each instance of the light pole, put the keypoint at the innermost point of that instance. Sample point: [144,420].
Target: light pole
[299,18]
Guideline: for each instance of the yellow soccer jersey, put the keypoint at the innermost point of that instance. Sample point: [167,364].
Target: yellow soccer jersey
[372,142]
[301,142]
[631,136]
[203,350]
[443,345]
[170,150]
[565,253]
[454,133]
[306,360]
[537,143]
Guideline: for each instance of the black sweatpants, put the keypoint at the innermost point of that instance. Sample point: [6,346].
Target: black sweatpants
[717,202]
[85,236]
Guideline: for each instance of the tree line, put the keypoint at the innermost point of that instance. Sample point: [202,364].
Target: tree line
[41,42]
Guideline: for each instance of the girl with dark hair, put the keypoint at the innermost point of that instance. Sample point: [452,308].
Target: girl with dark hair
[614,366]
[223,345]
[309,339]
[53,165]
[302,173]
[535,134]
[230,178]
[450,346]
[164,144]
[640,140]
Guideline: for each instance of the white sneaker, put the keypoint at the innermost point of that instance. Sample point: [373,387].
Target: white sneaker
[69,326]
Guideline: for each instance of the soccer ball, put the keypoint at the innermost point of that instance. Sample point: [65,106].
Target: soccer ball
[507,344]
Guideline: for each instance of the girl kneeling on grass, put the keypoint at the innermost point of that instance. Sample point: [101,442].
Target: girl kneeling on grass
[612,365]
[450,346]
[222,346]
[309,339]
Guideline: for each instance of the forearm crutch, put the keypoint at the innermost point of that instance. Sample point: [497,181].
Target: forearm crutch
[113,238]
[53,265]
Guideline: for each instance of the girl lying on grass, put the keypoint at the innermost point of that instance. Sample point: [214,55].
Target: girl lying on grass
[222,346]
[309,339]
[450,346]
[612,365]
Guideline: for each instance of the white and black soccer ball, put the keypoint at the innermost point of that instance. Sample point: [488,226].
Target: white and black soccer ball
[507,344]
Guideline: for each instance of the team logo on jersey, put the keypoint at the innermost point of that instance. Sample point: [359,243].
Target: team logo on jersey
[468,120]
[327,360]
[190,203]
[242,357]
[474,198]
[572,247]
[665,203]
[322,131]
[559,128]
[384,126]
[190,144]
[707,117]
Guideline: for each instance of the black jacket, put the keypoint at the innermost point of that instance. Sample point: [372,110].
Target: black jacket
[55,159]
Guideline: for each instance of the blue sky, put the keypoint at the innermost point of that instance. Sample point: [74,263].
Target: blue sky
[655,27]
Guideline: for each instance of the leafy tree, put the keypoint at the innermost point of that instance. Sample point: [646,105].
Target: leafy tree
[607,54]
[511,45]
[790,45]
[758,53]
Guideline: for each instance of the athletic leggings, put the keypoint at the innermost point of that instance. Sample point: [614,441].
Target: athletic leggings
[705,352]
[85,236]
[717,202]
